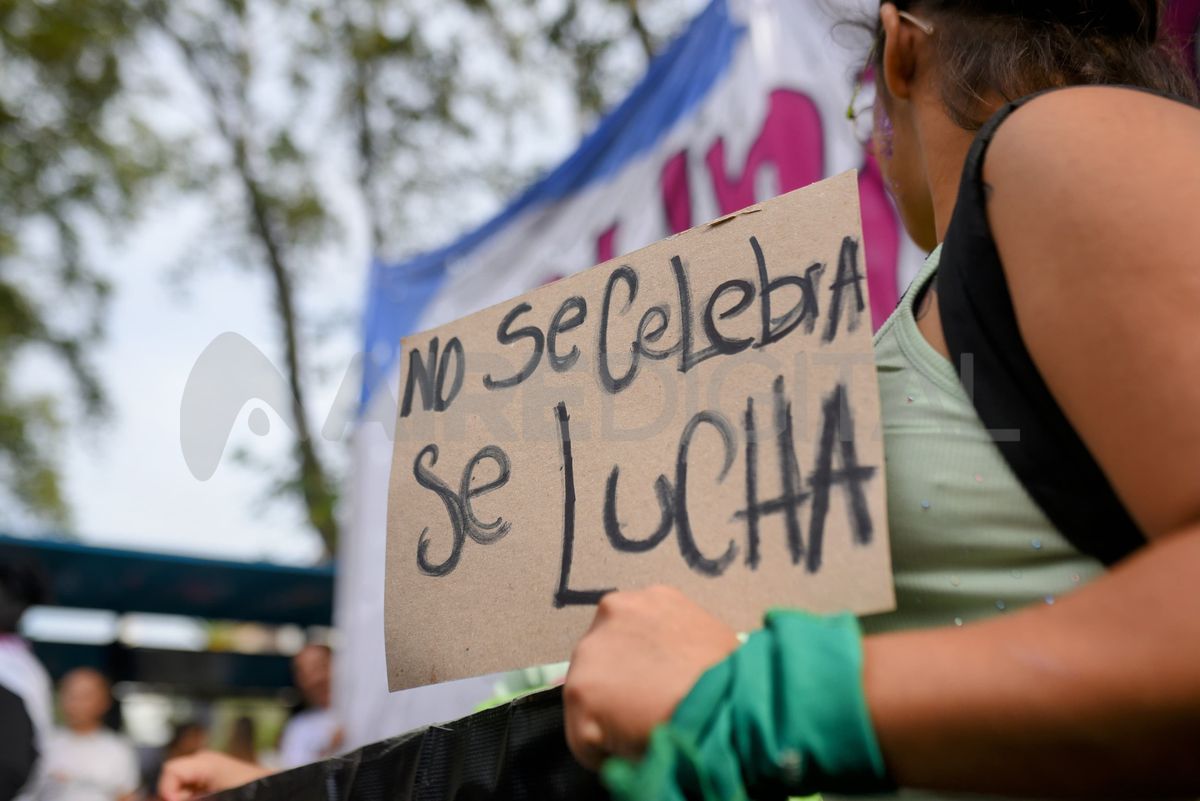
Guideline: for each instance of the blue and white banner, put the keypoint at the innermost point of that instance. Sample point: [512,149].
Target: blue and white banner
[748,103]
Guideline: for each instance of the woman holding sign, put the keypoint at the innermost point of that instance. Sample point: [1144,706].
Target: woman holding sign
[1045,523]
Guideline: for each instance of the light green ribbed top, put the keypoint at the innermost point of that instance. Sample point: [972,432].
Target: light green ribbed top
[967,540]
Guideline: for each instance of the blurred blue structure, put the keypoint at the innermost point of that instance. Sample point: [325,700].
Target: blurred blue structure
[88,577]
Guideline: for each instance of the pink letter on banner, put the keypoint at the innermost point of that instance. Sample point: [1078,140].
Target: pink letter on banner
[677,193]
[881,230]
[791,139]
[606,247]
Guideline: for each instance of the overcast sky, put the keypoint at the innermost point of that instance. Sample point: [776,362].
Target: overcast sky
[126,480]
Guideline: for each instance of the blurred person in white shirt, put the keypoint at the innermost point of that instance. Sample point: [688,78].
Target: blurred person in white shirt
[85,761]
[312,734]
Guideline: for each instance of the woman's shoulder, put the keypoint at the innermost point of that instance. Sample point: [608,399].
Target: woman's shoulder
[1082,99]
[1091,199]
[1098,111]
[1087,139]
[1095,163]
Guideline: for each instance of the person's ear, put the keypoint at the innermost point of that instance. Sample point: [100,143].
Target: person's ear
[899,52]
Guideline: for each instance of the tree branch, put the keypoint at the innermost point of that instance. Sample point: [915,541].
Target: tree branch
[312,477]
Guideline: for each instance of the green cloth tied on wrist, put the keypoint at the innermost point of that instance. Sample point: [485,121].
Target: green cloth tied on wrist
[782,715]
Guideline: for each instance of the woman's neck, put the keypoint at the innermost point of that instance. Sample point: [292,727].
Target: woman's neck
[945,147]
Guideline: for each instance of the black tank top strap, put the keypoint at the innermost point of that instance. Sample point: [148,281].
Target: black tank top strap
[1009,394]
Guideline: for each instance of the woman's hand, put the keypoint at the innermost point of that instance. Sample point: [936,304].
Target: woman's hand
[185,778]
[642,655]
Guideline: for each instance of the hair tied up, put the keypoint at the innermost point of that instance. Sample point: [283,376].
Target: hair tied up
[1116,19]
[1013,48]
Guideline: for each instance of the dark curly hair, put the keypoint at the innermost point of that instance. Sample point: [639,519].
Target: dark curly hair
[1012,48]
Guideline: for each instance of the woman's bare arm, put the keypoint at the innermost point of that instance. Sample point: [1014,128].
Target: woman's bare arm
[1094,200]
[1097,695]
[1093,203]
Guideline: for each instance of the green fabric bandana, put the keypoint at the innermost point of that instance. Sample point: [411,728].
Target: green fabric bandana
[783,715]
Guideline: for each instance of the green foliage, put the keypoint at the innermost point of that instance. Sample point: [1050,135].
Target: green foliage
[421,98]
[62,164]
[424,102]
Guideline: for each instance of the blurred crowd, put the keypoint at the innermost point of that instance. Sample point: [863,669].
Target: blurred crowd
[64,743]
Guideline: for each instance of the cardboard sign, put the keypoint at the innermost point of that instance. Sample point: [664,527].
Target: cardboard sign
[702,413]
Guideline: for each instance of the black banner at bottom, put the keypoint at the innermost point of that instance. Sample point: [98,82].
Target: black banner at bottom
[516,751]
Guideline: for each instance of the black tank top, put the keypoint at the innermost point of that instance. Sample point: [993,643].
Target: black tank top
[1009,394]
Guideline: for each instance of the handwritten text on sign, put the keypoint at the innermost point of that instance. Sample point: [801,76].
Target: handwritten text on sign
[702,413]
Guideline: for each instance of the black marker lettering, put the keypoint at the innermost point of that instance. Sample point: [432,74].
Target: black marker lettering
[806,309]
[506,337]
[485,533]
[752,537]
[560,324]
[791,497]
[687,359]
[444,400]
[564,595]
[838,418]
[421,374]
[453,507]
[789,472]
[687,541]
[612,527]
[662,316]
[848,275]
[614,385]
[724,346]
